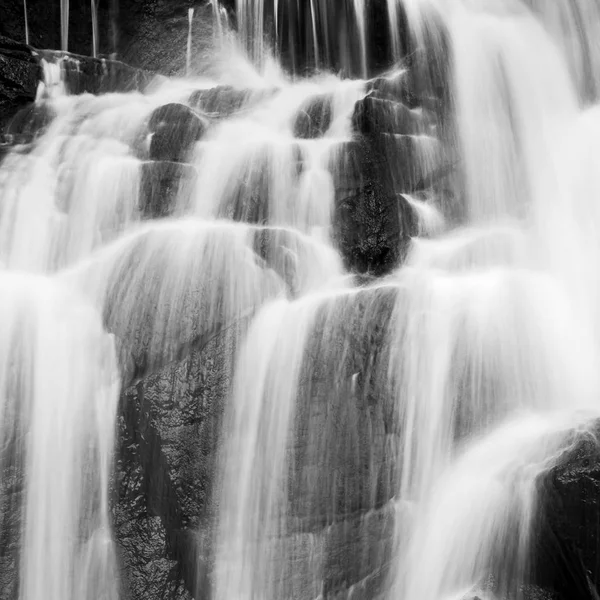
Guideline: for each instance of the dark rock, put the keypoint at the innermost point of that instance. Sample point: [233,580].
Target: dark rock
[169,431]
[175,128]
[83,74]
[374,115]
[569,543]
[19,78]
[162,184]
[313,118]
[373,223]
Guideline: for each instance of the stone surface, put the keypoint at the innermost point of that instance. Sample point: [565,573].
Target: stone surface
[373,115]
[162,183]
[313,118]
[169,430]
[19,77]
[175,128]
[373,223]
[84,74]
[569,550]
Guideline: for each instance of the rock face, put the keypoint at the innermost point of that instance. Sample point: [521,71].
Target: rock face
[148,34]
[166,470]
[569,560]
[19,78]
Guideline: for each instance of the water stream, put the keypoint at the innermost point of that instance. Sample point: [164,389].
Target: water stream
[434,398]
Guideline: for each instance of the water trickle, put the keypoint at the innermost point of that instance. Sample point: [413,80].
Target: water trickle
[95,31]
[64,25]
[188,54]
[25,18]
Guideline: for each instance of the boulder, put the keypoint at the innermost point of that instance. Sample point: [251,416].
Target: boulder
[314,117]
[175,128]
[373,223]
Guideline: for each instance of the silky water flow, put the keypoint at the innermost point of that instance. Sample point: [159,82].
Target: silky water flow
[420,410]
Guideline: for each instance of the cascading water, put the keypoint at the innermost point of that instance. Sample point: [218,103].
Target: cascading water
[381,438]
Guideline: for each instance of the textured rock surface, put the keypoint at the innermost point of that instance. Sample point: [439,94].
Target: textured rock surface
[314,118]
[19,77]
[169,430]
[571,521]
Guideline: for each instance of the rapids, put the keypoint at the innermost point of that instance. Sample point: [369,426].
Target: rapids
[479,351]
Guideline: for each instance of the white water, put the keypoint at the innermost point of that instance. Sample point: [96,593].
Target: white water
[489,356]
[59,388]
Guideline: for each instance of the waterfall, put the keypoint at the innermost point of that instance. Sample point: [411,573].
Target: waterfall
[385,215]
[59,384]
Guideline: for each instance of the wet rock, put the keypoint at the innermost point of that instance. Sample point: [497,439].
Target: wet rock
[174,128]
[87,75]
[394,85]
[223,101]
[408,160]
[568,546]
[30,122]
[169,431]
[373,115]
[163,184]
[19,78]
[373,223]
[313,118]
[345,415]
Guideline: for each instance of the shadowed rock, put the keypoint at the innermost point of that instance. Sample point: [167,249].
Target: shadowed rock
[19,78]
[313,118]
[374,115]
[174,128]
[373,223]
